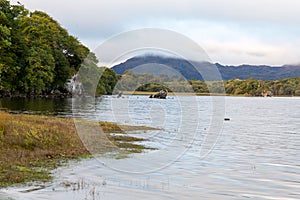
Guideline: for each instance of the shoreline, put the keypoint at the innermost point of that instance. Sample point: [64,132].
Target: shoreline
[196,94]
[136,93]
[31,146]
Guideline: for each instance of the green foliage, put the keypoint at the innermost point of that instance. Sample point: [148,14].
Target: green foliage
[96,80]
[107,81]
[149,83]
[39,71]
[89,74]
[250,87]
[37,55]
[4,33]
[130,81]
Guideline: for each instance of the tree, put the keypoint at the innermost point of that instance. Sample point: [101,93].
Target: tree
[37,55]
[10,55]
[39,71]
[107,81]
[40,29]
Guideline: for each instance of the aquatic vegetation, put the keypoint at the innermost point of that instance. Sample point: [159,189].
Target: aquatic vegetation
[111,127]
[32,145]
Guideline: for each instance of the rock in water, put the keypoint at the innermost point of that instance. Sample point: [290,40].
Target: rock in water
[160,95]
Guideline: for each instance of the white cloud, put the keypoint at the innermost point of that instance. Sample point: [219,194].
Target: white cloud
[257,31]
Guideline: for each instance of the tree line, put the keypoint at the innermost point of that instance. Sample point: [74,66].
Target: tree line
[37,55]
[130,81]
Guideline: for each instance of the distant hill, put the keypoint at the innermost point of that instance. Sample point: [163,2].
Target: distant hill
[176,66]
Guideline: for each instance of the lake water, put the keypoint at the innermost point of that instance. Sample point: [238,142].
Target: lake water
[254,155]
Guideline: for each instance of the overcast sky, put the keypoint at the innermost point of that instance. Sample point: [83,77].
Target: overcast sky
[230,31]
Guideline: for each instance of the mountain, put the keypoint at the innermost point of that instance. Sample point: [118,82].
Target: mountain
[159,65]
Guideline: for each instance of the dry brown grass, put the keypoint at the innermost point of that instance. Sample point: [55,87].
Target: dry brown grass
[111,127]
[31,145]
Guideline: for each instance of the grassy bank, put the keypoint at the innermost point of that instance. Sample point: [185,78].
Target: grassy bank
[32,145]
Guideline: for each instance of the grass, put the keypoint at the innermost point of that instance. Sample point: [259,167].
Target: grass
[32,145]
[111,127]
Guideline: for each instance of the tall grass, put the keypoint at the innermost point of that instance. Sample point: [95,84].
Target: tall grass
[4,118]
[29,145]
[32,145]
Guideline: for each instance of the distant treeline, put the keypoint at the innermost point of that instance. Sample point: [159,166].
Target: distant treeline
[37,55]
[150,83]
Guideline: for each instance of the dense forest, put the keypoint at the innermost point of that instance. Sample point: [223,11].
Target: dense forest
[150,83]
[37,55]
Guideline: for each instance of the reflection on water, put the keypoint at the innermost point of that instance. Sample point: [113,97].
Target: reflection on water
[57,107]
[256,156]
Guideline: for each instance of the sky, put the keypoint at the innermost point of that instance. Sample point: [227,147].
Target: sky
[231,32]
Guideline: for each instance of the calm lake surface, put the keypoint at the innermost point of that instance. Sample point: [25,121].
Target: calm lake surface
[254,155]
